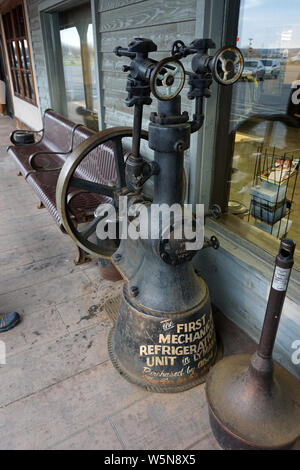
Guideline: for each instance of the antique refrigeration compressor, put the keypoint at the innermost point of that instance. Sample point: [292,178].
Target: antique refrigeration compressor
[163,337]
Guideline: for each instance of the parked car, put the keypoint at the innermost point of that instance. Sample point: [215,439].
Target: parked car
[254,68]
[272,67]
[295,59]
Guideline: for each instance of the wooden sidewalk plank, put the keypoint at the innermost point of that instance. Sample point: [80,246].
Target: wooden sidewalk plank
[34,330]
[87,310]
[164,421]
[52,362]
[37,272]
[56,413]
[48,293]
[100,436]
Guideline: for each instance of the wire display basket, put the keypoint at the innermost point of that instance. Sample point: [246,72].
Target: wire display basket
[273,190]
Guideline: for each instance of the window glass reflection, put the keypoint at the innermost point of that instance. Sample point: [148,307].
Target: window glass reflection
[70,42]
[15,53]
[265,117]
[27,62]
[21,54]
[30,85]
[77,43]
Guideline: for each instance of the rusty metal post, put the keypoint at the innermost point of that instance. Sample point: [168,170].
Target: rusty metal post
[253,402]
[283,265]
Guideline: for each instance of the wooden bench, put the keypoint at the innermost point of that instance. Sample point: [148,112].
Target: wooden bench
[40,164]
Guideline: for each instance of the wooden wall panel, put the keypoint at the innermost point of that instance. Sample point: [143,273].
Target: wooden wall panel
[122,20]
[105,5]
[162,36]
[118,21]
[148,13]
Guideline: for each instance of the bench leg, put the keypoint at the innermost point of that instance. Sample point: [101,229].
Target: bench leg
[82,257]
[40,205]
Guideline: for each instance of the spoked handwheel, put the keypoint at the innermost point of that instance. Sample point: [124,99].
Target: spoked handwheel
[72,185]
[228,65]
[167,79]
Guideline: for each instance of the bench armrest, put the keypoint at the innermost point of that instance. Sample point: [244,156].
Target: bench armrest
[44,170]
[40,169]
[34,155]
[16,131]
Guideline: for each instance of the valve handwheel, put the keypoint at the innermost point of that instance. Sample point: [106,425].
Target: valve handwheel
[68,181]
[167,79]
[227,65]
[177,47]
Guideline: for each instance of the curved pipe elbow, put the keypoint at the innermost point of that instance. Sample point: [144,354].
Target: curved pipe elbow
[196,123]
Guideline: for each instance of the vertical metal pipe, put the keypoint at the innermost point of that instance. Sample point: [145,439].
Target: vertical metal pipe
[168,183]
[283,265]
[170,170]
[137,127]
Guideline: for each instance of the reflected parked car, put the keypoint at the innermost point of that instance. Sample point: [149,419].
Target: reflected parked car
[254,69]
[272,67]
[295,59]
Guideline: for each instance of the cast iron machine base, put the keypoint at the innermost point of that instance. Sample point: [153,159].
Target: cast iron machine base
[253,402]
[153,357]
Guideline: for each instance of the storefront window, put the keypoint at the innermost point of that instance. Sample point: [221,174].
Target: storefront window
[265,118]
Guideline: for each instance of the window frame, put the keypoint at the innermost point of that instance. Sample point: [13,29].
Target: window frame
[48,14]
[20,64]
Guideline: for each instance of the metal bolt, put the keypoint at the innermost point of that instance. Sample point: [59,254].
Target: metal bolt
[134,291]
[179,146]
